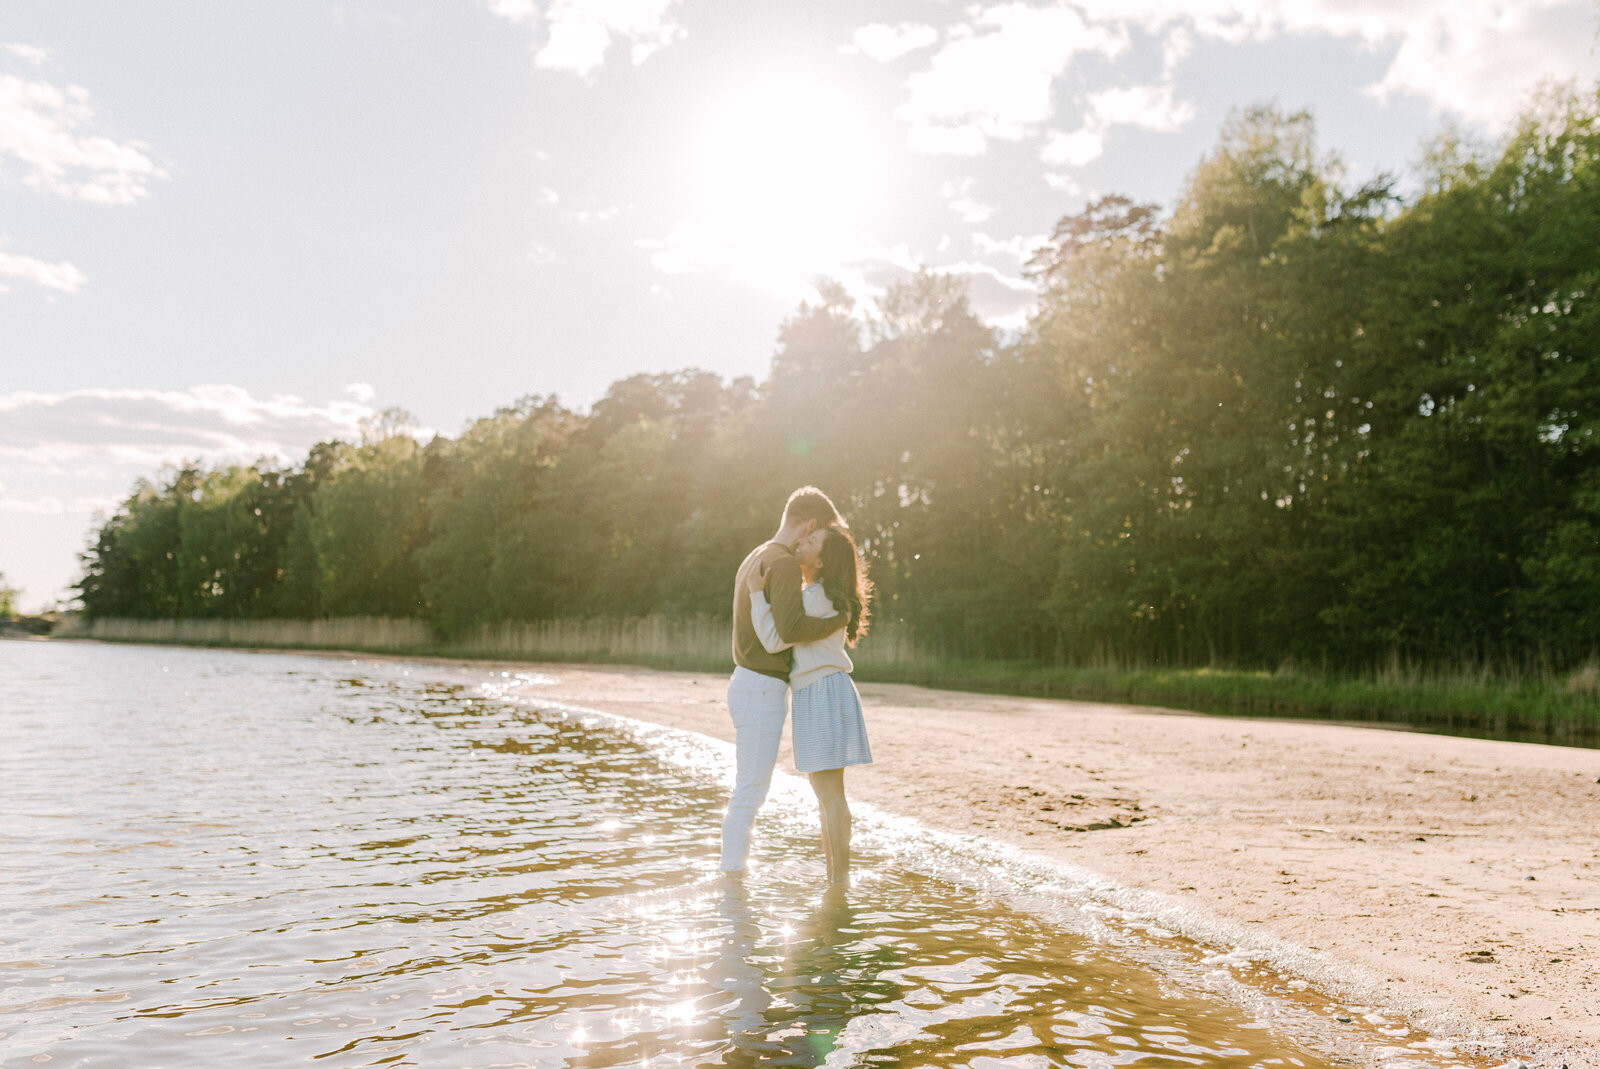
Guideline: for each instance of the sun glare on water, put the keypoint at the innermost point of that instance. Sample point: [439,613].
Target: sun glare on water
[784,177]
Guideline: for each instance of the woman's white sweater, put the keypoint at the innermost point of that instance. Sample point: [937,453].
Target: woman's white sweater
[812,660]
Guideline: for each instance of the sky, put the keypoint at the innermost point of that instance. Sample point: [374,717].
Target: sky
[228,231]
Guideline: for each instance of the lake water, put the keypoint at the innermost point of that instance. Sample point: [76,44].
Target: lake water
[213,858]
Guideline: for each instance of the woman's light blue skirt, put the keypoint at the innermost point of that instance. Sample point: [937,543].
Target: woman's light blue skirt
[829,730]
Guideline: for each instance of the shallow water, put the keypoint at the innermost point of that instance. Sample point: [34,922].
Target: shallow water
[211,857]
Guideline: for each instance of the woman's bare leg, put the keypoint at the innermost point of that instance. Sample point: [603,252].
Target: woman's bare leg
[835,817]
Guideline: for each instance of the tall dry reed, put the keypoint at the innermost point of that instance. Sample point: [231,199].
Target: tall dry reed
[699,641]
[1474,697]
[351,632]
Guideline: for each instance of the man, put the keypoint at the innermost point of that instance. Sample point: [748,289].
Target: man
[758,693]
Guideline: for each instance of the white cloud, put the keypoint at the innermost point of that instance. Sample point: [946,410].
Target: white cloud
[51,506]
[885,44]
[959,198]
[58,276]
[643,48]
[148,428]
[1478,59]
[1149,106]
[1063,183]
[45,129]
[521,12]
[1175,48]
[998,299]
[1237,20]
[579,33]
[1074,149]
[994,76]
[359,392]
[577,43]
[678,253]
[37,506]
[596,215]
[1483,61]
[1019,247]
[29,53]
[776,265]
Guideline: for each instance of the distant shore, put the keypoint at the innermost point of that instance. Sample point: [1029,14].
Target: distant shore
[1527,703]
[1460,875]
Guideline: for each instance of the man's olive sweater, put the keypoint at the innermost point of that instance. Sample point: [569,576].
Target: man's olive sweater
[774,566]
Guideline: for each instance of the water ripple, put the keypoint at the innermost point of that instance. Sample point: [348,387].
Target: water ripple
[215,857]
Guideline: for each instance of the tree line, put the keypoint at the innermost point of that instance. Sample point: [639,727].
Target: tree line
[1288,418]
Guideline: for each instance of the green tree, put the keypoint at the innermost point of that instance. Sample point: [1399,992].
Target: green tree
[479,487]
[1288,419]
[289,503]
[1469,532]
[1201,421]
[369,520]
[132,569]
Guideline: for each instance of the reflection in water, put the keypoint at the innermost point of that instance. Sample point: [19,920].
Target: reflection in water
[793,1012]
[215,857]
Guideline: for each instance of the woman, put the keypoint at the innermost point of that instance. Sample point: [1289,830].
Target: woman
[829,731]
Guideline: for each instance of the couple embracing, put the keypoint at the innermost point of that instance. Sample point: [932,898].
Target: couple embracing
[798,600]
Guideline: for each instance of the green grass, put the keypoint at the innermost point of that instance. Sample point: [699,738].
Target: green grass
[1558,709]
[1533,705]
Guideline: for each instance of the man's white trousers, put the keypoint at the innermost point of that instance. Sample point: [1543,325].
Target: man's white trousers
[758,704]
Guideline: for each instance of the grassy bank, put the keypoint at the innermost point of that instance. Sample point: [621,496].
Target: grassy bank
[1562,709]
[1538,705]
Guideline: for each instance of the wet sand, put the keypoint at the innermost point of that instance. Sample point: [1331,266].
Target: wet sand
[1459,877]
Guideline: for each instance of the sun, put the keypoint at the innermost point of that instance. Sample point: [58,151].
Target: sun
[785,176]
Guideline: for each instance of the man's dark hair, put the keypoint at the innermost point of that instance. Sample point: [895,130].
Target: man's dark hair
[809,503]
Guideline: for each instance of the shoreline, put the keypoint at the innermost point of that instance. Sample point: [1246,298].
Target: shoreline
[1373,855]
[1462,875]
[1544,706]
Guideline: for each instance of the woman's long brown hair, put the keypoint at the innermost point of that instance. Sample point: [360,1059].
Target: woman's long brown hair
[844,580]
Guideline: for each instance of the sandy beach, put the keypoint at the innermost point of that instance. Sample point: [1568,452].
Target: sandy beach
[1460,876]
